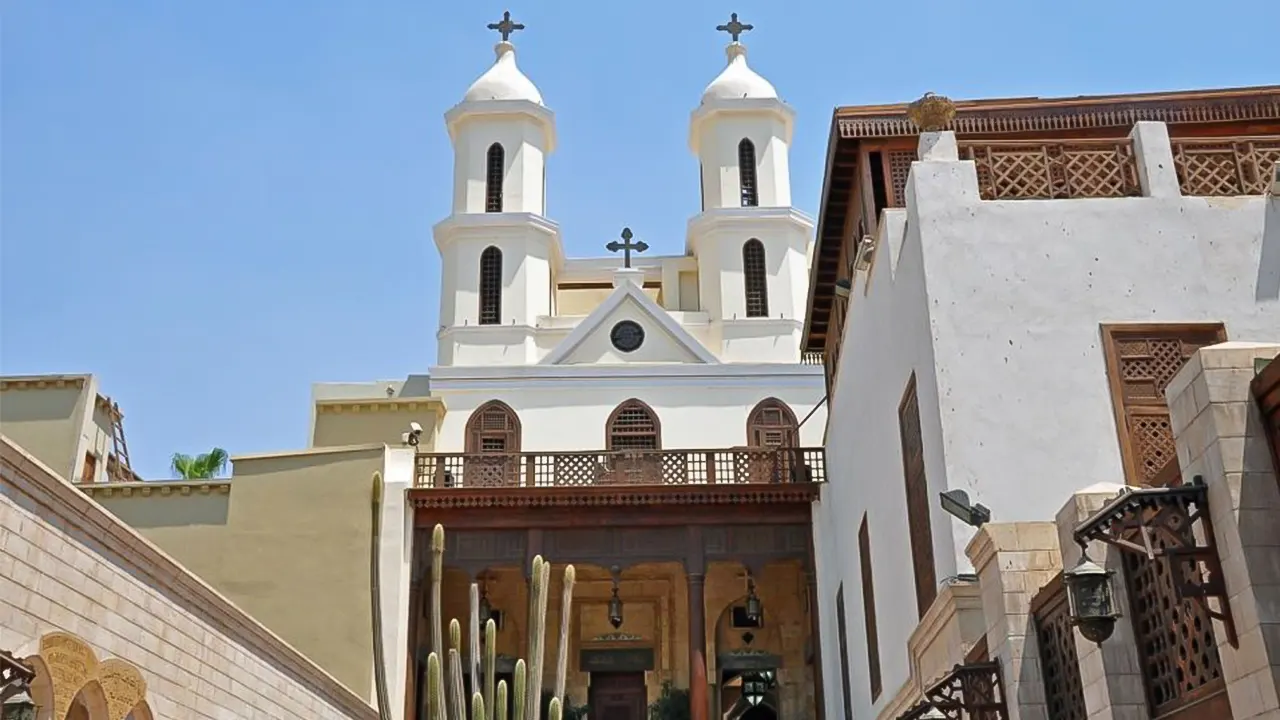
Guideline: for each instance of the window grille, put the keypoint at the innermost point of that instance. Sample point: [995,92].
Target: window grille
[747,173]
[493,181]
[753,271]
[491,286]
[634,426]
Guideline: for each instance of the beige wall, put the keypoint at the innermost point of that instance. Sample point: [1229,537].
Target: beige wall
[72,573]
[360,422]
[44,415]
[287,539]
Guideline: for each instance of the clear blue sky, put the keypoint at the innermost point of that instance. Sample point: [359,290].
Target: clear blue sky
[212,205]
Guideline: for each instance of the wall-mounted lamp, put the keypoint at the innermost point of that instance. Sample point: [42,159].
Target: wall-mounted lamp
[843,287]
[486,609]
[754,686]
[615,602]
[866,251]
[956,502]
[1091,599]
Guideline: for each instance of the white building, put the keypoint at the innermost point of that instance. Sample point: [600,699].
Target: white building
[1001,317]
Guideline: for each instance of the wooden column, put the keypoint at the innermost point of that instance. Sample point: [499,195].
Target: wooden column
[695,567]
[815,634]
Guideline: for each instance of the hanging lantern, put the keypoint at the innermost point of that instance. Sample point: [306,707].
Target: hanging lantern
[1091,599]
[753,688]
[615,609]
[18,707]
[486,609]
[768,676]
[754,607]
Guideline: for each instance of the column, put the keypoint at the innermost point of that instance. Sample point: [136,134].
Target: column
[695,568]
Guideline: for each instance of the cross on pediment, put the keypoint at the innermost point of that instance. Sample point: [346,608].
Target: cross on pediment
[733,27]
[506,27]
[626,246]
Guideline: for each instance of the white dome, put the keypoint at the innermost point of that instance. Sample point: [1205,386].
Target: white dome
[738,81]
[503,81]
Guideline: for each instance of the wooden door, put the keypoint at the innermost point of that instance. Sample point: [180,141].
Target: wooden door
[617,696]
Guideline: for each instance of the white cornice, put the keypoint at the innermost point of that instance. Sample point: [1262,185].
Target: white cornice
[724,375]
[771,108]
[507,223]
[649,307]
[539,114]
[745,221]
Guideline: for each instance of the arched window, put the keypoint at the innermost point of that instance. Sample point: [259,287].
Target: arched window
[491,286]
[772,424]
[747,173]
[493,179]
[753,275]
[493,428]
[633,426]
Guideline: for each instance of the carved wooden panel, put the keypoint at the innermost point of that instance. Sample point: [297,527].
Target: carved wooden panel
[869,609]
[1059,664]
[474,551]
[899,162]
[918,498]
[1226,166]
[1015,170]
[1141,360]
[1175,640]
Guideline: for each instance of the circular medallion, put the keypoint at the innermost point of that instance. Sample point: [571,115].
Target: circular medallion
[627,336]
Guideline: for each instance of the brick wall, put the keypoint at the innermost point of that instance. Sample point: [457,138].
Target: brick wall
[68,565]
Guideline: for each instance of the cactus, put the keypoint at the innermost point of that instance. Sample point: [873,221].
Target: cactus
[473,636]
[540,631]
[490,665]
[562,660]
[500,709]
[435,688]
[445,692]
[437,615]
[518,690]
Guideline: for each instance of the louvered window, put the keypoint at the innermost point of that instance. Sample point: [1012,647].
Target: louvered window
[869,609]
[495,162]
[491,286]
[634,426]
[917,487]
[747,173]
[493,428]
[771,424]
[753,272]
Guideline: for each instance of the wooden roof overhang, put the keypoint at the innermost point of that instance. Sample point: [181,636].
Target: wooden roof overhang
[1235,111]
[653,506]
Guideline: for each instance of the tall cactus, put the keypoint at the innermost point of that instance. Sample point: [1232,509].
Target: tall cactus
[490,666]
[446,696]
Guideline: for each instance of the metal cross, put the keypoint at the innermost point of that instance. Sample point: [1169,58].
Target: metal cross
[734,28]
[626,246]
[506,27]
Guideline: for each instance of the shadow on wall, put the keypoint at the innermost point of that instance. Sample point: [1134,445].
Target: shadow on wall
[1268,286]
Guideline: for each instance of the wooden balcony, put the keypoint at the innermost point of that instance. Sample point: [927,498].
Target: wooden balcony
[636,468]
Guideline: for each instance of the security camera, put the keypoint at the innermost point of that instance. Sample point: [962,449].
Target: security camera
[414,436]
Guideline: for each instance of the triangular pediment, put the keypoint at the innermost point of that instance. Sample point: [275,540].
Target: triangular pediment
[661,338]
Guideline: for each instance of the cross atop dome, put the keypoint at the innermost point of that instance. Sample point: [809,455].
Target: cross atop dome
[733,27]
[506,27]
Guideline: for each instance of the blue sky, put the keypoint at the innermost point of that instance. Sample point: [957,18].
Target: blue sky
[212,205]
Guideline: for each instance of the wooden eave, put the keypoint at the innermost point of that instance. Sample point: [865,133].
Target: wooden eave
[655,505]
[1232,111]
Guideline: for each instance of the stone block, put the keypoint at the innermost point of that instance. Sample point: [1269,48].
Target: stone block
[1157,174]
[1228,384]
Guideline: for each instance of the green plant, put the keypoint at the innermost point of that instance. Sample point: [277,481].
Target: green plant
[672,704]
[204,466]
[568,711]
[527,683]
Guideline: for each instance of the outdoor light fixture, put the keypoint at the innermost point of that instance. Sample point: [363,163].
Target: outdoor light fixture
[843,287]
[754,608]
[615,602]
[933,713]
[15,685]
[1091,599]
[18,707]
[486,609]
[754,687]
[956,502]
[768,676]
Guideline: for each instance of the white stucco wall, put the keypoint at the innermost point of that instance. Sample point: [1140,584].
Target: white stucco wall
[567,407]
[1007,298]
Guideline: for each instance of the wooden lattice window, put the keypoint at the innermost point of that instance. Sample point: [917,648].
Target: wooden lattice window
[747,173]
[1226,166]
[754,278]
[845,673]
[495,162]
[771,424]
[869,609]
[899,168]
[491,286]
[1059,663]
[917,487]
[493,428]
[1141,360]
[633,426]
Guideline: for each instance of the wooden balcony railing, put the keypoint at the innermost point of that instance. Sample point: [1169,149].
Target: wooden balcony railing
[643,467]
[811,357]
[1049,169]
[1225,166]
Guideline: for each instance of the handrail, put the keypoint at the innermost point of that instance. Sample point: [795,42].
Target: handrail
[585,468]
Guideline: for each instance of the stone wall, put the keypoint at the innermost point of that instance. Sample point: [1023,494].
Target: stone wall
[68,566]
